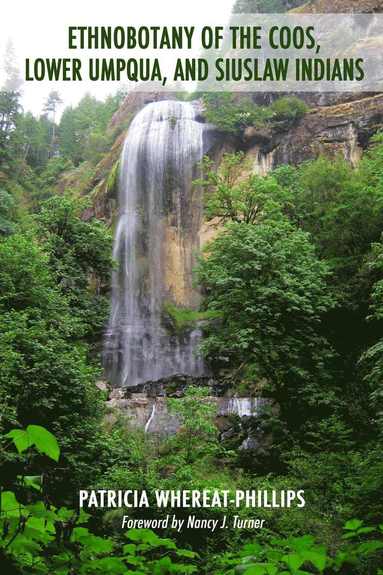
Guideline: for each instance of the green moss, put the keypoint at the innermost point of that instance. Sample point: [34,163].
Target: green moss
[182,318]
[112,180]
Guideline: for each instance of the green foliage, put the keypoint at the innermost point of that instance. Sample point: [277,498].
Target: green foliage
[35,435]
[112,181]
[270,290]
[341,208]
[54,275]
[80,260]
[49,176]
[24,276]
[229,115]
[198,434]
[370,167]
[39,538]
[7,212]
[183,319]
[9,114]
[288,109]
[332,203]
[372,359]
[235,194]
[83,129]
[303,555]
[278,314]
[232,114]
[33,139]
[151,554]
[44,377]
[35,152]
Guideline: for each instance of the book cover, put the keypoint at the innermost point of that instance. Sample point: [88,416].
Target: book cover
[191,287]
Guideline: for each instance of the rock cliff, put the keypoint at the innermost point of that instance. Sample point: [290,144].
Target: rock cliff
[343,129]
[338,123]
[340,6]
[239,419]
[334,125]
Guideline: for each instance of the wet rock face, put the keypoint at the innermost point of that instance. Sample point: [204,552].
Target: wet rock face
[312,99]
[339,123]
[344,129]
[145,406]
[134,102]
[104,197]
[144,412]
[340,6]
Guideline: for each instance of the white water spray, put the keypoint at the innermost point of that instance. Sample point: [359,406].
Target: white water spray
[159,162]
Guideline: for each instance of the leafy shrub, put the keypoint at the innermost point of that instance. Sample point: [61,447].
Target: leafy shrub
[7,212]
[184,319]
[234,193]
[39,538]
[303,555]
[79,258]
[198,435]
[288,108]
[270,290]
[46,376]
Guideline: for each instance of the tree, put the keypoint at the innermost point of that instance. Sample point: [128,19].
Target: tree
[372,358]
[50,108]
[341,208]
[9,107]
[45,377]
[234,193]
[83,129]
[334,204]
[271,293]
[9,113]
[80,261]
[7,212]
[69,140]
[32,140]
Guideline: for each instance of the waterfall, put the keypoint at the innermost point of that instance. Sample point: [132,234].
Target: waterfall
[156,241]
[243,406]
[263,162]
[153,412]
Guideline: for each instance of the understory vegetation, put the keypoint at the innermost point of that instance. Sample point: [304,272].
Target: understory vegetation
[292,310]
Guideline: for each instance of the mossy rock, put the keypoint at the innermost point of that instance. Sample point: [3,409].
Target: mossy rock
[181,319]
[112,180]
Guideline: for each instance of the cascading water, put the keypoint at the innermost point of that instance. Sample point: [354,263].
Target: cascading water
[156,240]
